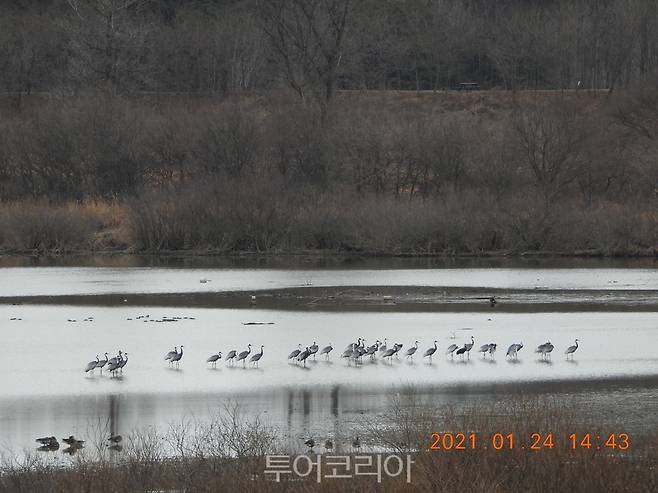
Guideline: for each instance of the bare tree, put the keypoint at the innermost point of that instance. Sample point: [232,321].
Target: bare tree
[108,42]
[307,39]
[550,142]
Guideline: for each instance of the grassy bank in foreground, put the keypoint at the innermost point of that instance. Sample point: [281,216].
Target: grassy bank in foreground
[239,221]
[229,453]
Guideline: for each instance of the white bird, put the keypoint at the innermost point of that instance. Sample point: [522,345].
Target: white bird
[572,349]
[213,359]
[410,352]
[326,350]
[256,357]
[296,352]
[243,355]
[451,350]
[383,347]
[176,359]
[91,365]
[430,352]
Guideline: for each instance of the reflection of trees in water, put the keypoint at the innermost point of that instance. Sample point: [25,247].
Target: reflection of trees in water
[113,415]
[313,402]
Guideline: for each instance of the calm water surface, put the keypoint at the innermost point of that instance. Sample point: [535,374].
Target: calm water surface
[44,391]
[21,281]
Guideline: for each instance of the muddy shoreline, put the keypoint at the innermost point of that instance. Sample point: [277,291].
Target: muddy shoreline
[375,298]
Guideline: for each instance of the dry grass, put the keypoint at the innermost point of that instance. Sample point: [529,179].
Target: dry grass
[228,453]
[269,217]
[46,228]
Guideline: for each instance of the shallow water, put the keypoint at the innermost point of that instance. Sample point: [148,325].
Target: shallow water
[43,390]
[45,354]
[22,281]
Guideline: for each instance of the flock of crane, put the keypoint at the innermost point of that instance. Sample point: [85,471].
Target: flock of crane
[114,365]
[355,352]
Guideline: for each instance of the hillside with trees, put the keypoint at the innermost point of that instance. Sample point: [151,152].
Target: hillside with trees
[336,125]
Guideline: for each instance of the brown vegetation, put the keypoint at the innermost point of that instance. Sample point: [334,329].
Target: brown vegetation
[284,141]
[388,173]
[228,452]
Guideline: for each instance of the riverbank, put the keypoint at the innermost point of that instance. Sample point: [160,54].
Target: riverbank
[231,450]
[331,225]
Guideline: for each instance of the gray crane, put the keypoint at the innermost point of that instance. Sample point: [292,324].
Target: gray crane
[91,365]
[572,349]
[544,349]
[124,361]
[214,358]
[176,359]
[326,350]
[430,352]
[296,352]
[230,357]
[451,350]
[469,347]
[101,364]
[514,349]
[256,357]
[412,350]
[304,355]
[492,349]
[170,355]
[243,355]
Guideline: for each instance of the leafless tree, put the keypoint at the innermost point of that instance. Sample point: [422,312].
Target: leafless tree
[550,142]
[109,44]
[307,41]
